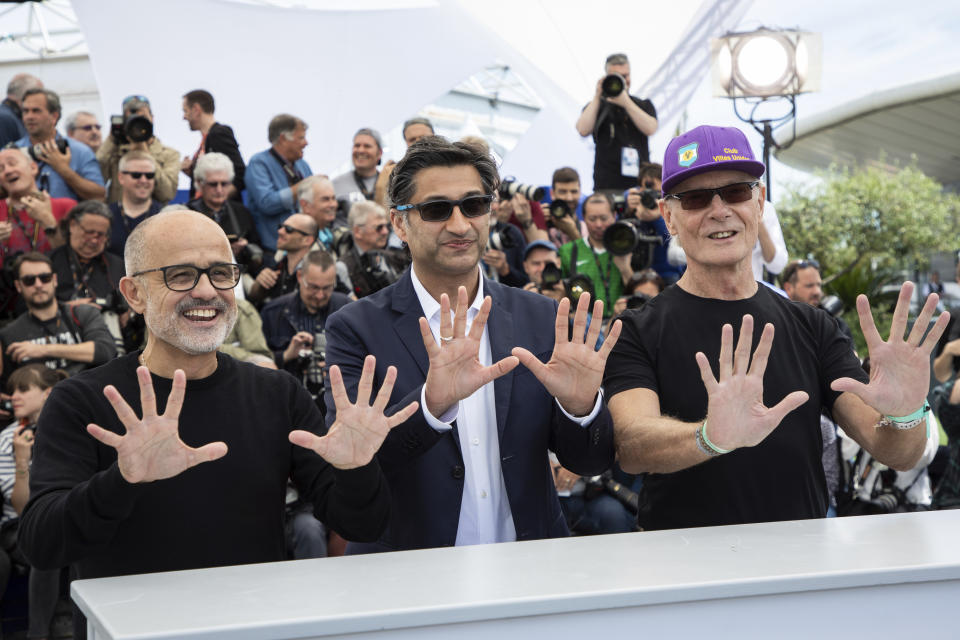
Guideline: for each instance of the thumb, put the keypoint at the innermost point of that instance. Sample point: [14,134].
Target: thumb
[849,384]
[788,404]
[208,453]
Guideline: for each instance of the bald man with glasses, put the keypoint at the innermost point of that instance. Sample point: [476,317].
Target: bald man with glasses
[177,456]
[723,438]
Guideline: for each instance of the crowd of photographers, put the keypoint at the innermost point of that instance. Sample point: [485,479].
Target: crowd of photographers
[309,245]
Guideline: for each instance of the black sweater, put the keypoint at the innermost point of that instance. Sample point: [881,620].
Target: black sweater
[225,512]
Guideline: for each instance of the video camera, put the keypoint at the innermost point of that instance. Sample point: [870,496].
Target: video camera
[134,128]
[574,286]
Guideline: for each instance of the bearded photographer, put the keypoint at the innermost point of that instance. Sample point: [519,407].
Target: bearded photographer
[619,124]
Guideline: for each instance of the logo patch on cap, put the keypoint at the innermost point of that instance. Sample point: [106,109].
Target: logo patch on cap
[687,154]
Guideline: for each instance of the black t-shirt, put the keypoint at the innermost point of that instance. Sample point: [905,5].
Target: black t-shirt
[781,478]
[613,131]
[225,512]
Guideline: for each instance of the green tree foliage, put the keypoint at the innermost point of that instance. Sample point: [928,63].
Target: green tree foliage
[869,216]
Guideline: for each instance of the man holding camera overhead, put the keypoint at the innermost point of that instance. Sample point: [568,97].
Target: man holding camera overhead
[134,132]
[619,124]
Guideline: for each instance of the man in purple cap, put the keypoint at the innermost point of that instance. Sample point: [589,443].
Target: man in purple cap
[724,440]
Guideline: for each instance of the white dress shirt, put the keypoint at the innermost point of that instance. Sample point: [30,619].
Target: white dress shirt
[485,514]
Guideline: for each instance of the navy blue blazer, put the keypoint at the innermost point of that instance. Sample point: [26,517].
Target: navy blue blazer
[425,469]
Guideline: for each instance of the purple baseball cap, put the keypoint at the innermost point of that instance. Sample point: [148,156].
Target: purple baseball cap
[708,148]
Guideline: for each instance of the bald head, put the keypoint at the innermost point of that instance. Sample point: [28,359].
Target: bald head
[172,233]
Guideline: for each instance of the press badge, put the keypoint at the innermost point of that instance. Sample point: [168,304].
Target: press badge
[629,162]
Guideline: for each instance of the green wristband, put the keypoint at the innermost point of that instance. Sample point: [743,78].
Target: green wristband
[916,415]
[703,434]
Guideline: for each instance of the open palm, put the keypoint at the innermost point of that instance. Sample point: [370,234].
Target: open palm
[360,427]
[151,448]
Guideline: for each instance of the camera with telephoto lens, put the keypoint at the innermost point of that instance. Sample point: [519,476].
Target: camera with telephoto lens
[605,483]
[501,241]
[613,85]
[36,153]
[311,361]
[574,286]
[250,256]
[509,187]
[832,305]
[648,198]
[113,301]
[134,128]
[624,237]
[560,209]
[378,277]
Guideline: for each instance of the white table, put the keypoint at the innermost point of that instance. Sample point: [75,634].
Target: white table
[892,574]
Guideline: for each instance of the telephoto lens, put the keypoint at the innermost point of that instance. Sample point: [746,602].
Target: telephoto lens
[620,238]
[559,209]
[613,85]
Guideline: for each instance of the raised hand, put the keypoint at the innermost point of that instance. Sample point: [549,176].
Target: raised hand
[360,427]
[152,449]
[575,369]
[455,368]
[736,415]
[899,369]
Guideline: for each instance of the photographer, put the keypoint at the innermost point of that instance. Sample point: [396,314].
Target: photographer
[541,256]
[295,235]
[643,205]
[29,386]
[137,178]
[619,124]
[68,168]
[589,256]
[566,206]
[292,322]
[28,216]
[369,264]
[60,336]
[86,272]
[138,120]
[213,175]
[503,258]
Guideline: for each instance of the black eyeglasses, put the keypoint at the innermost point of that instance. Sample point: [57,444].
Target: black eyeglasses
[136,175]
[45,278]
[290,229]
[700,198]
[184,277]
[440,210]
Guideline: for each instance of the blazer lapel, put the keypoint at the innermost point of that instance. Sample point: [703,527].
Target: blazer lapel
[500,332]
[407,322]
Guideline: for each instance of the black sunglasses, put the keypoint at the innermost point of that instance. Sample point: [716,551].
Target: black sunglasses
[440,210]
[136,175]
[700,198]
[28,281]
[290,229]
[184,277]
[215,184]
[90,127]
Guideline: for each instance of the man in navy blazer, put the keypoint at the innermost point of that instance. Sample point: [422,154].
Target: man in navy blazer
[471,465]
[274,175]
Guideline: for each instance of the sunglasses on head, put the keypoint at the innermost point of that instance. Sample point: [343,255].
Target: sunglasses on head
[700,198]
[136,175]
[440,210]
[797,265]
[45,278]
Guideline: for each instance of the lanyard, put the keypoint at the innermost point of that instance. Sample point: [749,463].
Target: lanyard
[14,215]
[290,169]
[367,193]
[605,275]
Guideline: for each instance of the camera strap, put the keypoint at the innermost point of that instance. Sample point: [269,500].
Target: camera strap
[14,215]
[367,193]
[604,275]
[289,168]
